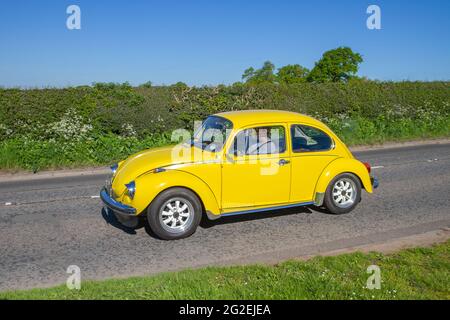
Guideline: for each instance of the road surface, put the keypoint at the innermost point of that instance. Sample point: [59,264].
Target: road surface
[48,224]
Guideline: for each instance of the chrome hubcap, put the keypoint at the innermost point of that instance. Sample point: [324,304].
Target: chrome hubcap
[344,193]
[176,215]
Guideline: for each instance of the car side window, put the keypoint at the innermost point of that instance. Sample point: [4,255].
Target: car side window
[308,139]
[260,140]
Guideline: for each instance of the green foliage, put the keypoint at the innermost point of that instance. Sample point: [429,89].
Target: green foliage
[123,110]
[31,112]
[292,74]
[180,85]
[35,155]
[421,273]
[87,125]
[147,84]
[263,75]
[336,65]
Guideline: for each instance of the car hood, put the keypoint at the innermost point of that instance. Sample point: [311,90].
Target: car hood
[145,161]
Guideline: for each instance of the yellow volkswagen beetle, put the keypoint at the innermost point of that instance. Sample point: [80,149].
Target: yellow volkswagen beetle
[237,162]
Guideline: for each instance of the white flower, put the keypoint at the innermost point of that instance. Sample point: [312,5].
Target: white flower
[71,127]
[5,130]
[128,130]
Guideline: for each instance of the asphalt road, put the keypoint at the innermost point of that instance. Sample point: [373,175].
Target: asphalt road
[54,223]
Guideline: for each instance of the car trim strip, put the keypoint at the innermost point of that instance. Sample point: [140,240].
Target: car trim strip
[300,204]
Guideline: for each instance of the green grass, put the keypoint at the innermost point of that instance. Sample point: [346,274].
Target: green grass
[32,154]
[36,155]
[362,131]
[421,273]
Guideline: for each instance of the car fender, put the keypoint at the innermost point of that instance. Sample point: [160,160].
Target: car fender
[150,185]
[342,165]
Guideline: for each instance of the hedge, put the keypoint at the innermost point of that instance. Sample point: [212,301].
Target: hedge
[125,110]
[99,124]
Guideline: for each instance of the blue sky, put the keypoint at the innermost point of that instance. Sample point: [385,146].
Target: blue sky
[211,42]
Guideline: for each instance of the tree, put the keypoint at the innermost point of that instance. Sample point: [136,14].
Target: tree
[336,65]
[180,84]
[248,74]
[263,75]
[292,74]
[147,84]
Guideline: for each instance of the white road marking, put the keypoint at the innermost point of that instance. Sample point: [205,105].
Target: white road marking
[48,200]
[377,167]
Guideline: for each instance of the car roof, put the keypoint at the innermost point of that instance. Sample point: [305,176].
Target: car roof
[244,118]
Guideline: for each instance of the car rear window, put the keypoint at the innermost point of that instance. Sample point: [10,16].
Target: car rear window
[307,139]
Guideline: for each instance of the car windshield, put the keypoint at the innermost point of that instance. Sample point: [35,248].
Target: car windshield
[213,134]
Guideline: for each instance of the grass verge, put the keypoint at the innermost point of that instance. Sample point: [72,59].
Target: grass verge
[421,273]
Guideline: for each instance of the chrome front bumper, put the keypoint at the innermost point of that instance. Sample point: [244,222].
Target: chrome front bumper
[126,215]
[116,206]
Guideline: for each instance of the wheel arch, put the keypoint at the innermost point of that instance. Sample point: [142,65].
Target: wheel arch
[181,187]
[340,166]
[155,184]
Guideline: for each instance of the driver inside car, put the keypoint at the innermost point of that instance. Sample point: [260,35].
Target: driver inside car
[261,143]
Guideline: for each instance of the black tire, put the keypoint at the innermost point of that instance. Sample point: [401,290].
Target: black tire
[155,216]
[330,200]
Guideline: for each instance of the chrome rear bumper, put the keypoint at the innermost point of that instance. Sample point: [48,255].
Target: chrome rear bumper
[374,182]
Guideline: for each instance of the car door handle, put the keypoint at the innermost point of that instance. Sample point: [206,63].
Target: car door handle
[283,162]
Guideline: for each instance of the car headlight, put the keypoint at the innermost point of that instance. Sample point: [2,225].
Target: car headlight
[114,168]
[131,189]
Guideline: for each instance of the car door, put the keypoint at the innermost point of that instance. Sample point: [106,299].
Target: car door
[256,169]
[311,151]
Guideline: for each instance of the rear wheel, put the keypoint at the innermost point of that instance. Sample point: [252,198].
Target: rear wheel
[343,193]
[174,214]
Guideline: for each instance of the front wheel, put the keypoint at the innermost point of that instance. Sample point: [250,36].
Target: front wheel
[174,214]
[343,193]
